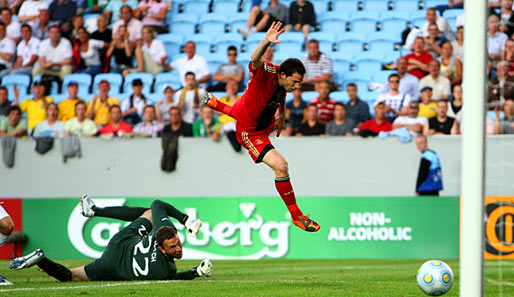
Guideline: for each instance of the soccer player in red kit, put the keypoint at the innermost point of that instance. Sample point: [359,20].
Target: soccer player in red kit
[255,113]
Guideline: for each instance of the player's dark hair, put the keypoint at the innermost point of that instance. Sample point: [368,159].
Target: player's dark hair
[190,73]
[291,66]
[164,233]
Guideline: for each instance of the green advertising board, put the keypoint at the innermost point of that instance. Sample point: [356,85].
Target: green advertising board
[260,227]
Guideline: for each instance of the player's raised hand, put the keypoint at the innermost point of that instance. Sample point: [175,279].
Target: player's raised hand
[274,31]
[205,268]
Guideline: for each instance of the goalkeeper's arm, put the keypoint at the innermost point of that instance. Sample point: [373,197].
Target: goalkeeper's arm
[204,269]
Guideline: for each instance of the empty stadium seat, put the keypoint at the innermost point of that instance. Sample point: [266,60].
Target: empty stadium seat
[381,45]
[146,78]
[343,55]
[22,81]
[406,5]
[196,6]
[227,7]
[393,25]
[183,27]
[361,80]
[320,6]
[418,22]
[352,36]
[350,45]
[162,79]
[368,65]
[172,43]
[237,21]
[345,5]
[434,3]
[418,14]
[452,13]
[333,25]
[340,67]
[83,80]
[326,40]
[382,76]
[376,5]
[291,42]
[223,41]
[383,35]
[363,25]
[340,96]
[114,80]
[58,98]
[402,14]
[212,23]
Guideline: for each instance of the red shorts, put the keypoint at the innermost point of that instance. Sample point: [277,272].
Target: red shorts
[256,142]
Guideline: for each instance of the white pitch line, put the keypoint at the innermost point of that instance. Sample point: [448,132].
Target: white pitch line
[497,283]
[154,282]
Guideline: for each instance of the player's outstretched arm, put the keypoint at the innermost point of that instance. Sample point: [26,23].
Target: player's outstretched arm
[271,37]
[204,269]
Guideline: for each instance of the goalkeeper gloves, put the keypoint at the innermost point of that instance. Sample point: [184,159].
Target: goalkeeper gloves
[205,268]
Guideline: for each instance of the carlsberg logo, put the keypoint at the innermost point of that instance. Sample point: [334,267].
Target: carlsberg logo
[269,238]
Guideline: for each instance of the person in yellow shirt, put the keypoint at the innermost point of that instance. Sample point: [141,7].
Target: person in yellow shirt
[427,107]
[36,107]
[67,107]
[98,109]
[231,89]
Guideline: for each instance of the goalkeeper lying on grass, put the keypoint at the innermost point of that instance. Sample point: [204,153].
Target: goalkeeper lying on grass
[134,253]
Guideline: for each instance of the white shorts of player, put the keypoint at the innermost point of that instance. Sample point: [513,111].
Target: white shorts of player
[3,214]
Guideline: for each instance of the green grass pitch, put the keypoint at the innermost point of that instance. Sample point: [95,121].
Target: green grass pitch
[264,278]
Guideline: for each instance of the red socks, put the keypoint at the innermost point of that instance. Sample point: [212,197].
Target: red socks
[285,189]
[222,107]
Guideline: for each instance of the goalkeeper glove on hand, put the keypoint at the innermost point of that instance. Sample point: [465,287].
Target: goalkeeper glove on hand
[205,268]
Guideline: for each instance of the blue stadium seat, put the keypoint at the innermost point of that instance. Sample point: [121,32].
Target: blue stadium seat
[196,6]
[114,80]
[340,67]
[391,57]
[333,25]
[253,39]
[183,27]
[351,36]
[364,14]
[291,42]
[320,6]
[340,96]
[350,45]
[418,14]
[58,98]
[394,25]
[172,43]
[213,66]
[372,55]
[22,81]
[226,7]
[418,22]
[345,5]
[381,45]
[452,13]
[192,17]
[382,76]
[309,95]
[406,5]
[395,14]
[155,97]
[358,78]
[384,35]
[279,57]
[222,42]
[203,42]
[370,66]
[336,15]
[434,3]
[452,21]
[363,25]
[376,5]
[237,21]
[342,55]
[147,79]
[162,79]
[83,80]
[212,24]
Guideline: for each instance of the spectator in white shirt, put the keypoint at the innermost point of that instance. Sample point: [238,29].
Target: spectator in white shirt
[192,63]
[441,22]
[396,101]
[409,84]
[441,86]
[51,127]
[495,39]
[54,55]
[27,52]
[134,26]
[132,107]
[89,53]
[411,120]
[150,54]
[29,11]
[13,27]
[7,51]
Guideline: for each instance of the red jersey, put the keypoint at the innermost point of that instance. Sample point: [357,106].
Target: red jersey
[424,58]
[122,126]
[373,126]
[256,108]
[325,111]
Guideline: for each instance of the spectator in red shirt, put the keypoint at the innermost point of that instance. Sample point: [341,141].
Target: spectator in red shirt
[324,103]
[378,124]
[418,60]
[116,127]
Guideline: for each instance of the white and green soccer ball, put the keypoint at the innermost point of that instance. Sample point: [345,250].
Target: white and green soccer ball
[435,278]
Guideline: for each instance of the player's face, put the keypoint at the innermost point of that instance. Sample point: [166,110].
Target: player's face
[290,83]
[172,248]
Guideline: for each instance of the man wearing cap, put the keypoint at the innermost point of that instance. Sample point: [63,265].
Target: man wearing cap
[378,124]
[427,107]
[36,107]
[98,109]
[441,86]
[132,107]
[54,55]
[67,107]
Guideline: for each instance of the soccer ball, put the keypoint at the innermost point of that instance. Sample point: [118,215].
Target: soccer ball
[435,278]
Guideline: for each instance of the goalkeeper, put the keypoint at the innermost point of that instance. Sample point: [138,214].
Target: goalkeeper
[134,253]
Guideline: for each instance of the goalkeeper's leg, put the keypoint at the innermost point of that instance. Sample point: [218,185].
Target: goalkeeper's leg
[211,101]
[124,213]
